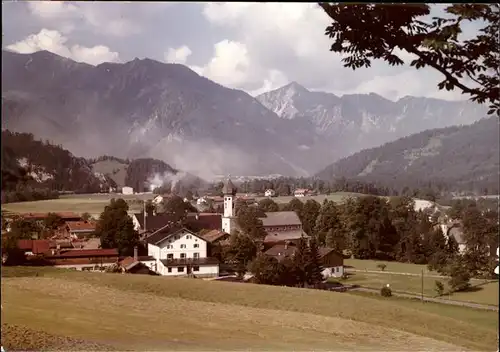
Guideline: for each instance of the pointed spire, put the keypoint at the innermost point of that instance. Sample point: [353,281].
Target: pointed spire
[229,188]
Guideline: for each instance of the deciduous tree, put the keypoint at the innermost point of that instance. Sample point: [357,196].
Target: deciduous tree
[116,229]
[364,32]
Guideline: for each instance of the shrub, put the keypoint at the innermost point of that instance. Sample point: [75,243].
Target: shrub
[386,291]
[439,288]
[381,266]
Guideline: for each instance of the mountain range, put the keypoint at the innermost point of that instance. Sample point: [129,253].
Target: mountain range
[461,157]
[144,108]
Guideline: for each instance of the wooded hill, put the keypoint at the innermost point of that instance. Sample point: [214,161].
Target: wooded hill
[459,158]
[34,169]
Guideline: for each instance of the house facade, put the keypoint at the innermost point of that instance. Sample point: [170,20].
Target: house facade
[301,192]
[180,252]
[331,261]
[270,193]
[127,190]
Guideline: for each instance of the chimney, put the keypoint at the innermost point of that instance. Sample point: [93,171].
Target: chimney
[136,256]
[197,217]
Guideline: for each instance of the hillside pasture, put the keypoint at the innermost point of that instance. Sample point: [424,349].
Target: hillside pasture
[395,274]
[337,197]
[79,203]
[136,312]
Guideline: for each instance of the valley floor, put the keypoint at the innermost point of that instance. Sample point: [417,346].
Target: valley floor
[97,311]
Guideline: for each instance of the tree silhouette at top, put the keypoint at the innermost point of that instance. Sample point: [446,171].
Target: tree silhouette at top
[364,32]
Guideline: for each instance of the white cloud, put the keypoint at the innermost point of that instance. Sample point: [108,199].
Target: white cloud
[289,38]
[102,17]
[178,56]
[55,42]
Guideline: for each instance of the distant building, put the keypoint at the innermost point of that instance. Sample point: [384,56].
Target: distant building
[127,190]
[331,260]
[282,226]
[301,192]
[270,193]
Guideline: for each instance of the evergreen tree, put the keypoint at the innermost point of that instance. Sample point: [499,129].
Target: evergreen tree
[300,263]
[309,215]
[314,267]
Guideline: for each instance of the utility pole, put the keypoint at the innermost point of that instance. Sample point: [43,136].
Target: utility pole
[422,291]
[144,212]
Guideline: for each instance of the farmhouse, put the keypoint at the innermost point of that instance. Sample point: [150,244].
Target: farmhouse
[127,190]
[179,252]
[331,260]
[282,226]
[80,229]
[270,193]
[301,192]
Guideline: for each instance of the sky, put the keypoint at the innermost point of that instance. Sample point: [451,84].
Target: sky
[255,47]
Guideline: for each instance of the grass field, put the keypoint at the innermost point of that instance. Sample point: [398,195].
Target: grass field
[336,197]
[371,265]
[95,203]
[482,292]
[81,203]
[97,311]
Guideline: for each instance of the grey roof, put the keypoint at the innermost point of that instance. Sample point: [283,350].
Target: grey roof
[165,232]
[229,188]
[281,218]
[280,236]
[281,251]
[457,234]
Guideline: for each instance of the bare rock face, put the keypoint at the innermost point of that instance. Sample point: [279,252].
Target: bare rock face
[144,108]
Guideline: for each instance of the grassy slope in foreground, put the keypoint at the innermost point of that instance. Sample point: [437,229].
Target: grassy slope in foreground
[156,313]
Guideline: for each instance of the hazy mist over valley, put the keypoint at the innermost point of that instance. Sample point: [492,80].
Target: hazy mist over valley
[144,108]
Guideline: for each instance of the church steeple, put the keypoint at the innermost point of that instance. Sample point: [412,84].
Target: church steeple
[229,191]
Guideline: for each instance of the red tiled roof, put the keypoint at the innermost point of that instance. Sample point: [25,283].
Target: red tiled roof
[25,245]
[82,226]
[42,246]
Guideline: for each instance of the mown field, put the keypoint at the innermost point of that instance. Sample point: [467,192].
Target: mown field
[82,203]
[336,197]
[97,311]
[94,203]
[482,291]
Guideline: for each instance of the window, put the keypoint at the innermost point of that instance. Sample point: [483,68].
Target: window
[196,245]
[183,246]
[183,255]
[169,270]
[170,256]
[196,268]
[180,269]
[196,255]
[169,246]
[189,237]
[337,269]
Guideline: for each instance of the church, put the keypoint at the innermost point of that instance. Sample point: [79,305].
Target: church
[280,226]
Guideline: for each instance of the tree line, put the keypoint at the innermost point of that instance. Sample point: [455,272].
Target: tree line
[372,227]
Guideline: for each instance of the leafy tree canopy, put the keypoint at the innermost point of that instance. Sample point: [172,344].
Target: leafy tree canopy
[364,32]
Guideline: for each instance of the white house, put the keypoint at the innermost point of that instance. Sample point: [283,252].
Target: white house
[180,252]
[127,190]
[158,199]
[270,193]
[301,192]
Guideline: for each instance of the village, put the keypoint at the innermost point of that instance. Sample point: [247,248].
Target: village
[191,249]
